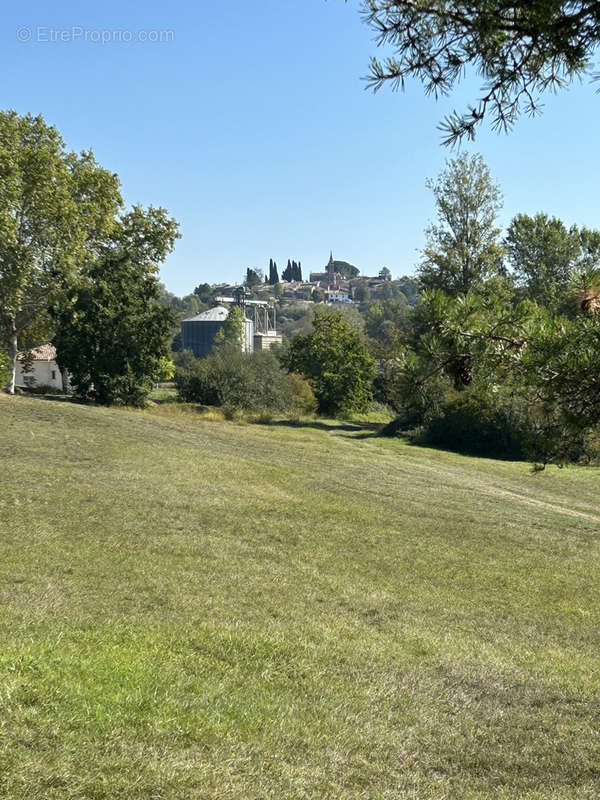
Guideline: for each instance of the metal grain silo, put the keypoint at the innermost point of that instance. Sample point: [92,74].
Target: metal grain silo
[198,333]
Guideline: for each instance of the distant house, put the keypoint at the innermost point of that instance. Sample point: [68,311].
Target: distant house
[44,369]
[338,297]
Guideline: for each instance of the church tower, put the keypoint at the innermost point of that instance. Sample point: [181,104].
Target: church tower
[331,270]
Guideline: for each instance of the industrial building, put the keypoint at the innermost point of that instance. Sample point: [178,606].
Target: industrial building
[198,333]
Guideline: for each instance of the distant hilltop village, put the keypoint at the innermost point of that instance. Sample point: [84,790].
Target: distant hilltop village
[339,283]
[271,307]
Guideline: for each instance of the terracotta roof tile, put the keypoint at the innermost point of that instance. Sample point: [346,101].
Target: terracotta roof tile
[45,352]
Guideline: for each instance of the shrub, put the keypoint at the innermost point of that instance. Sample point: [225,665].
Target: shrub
[41,388]
[305,401]
[230,378]
[480,422]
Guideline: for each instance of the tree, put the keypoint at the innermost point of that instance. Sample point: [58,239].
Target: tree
[232,331]
[304,292]
[187,305]
[520,49]
[383,319]
[361,292]
[336,362]
[385,274]
[471,336]
[299,268]
[112,333]
[203,292]
[287,274]
[253,277]
[463,248]
[318,295]
[408,286]
[543,254]
[273,274]
[56,210]
[346,270]
[560,370]
[166,369]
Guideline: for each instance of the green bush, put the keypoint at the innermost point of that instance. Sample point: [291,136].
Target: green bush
[481,422]
[305,401]
[591,448]
[236,380]
[41,388]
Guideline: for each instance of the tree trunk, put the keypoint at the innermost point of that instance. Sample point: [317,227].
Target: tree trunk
[65,380]
[12,355]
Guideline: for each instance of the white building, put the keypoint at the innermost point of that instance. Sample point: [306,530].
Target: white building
[44,372]
[338,297]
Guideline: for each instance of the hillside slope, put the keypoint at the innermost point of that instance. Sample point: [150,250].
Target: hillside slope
[194,609]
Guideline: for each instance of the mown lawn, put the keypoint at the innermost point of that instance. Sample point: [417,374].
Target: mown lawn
[203,609]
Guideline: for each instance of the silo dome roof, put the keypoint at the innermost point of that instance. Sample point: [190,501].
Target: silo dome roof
[216,314]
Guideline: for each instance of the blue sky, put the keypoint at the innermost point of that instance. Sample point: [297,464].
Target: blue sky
[252,126]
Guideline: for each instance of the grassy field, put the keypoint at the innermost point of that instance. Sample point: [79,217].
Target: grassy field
[203,609]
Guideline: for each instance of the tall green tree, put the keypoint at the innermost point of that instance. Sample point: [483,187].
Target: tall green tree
[232,330]
[273,273]
[287,274]
[112,333]
[336,362]
[463,248]
[520,50]
[543,254]
[56,210]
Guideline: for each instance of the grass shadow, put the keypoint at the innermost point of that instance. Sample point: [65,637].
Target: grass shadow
[320,425]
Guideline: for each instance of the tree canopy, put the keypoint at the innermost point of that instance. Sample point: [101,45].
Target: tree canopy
[232,331]
[463,248]
[346,270]
[112,334]
[520,51]
[57,209]
[336,362]
[542,252]
[111,330]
